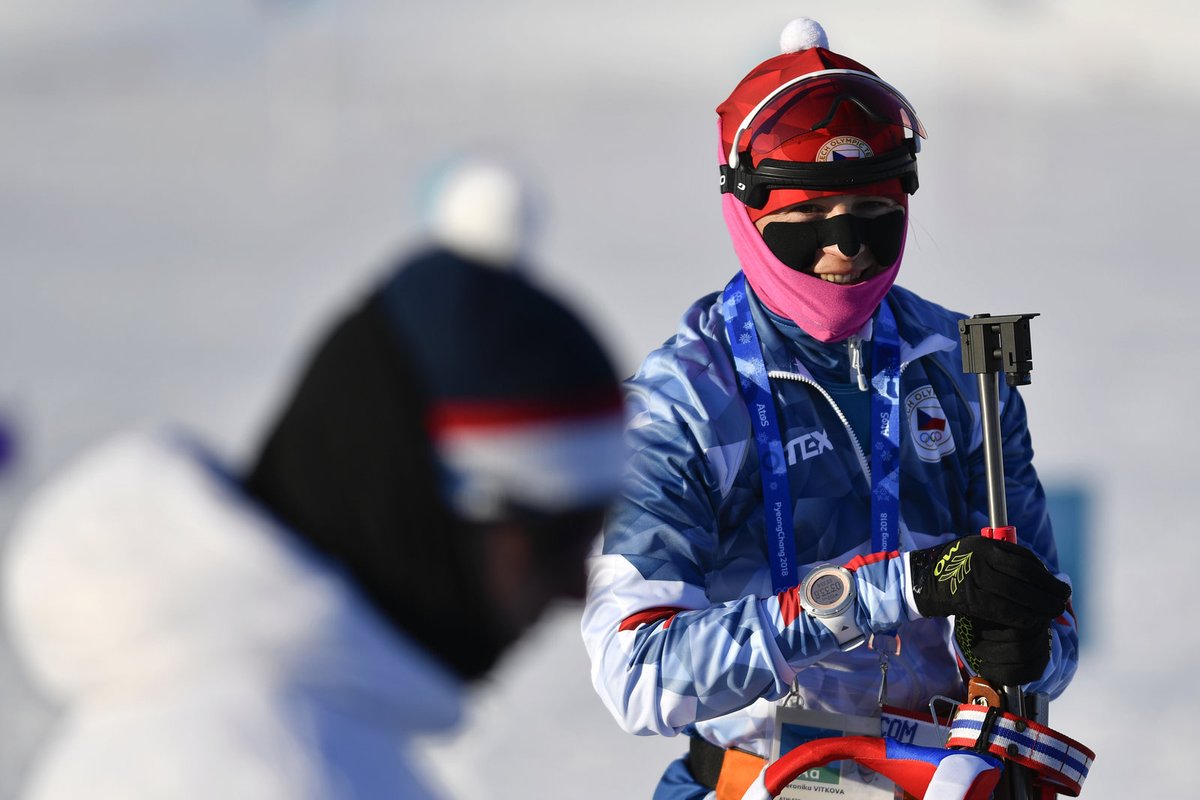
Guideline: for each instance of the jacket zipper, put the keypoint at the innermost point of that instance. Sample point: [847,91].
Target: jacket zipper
[856,365]
[854,343]
[862,458]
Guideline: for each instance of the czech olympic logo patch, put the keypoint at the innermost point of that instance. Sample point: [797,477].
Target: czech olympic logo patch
[840,148]
[927,423]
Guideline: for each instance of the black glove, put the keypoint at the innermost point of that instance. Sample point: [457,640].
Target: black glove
[988,579]
[1004,656]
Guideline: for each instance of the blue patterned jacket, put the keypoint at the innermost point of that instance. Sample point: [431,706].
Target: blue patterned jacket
[682,627]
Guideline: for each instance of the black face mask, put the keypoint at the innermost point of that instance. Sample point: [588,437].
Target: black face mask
[796,244]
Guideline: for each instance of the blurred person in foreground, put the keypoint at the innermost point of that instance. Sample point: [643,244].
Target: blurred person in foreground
[811,427]
[432,483]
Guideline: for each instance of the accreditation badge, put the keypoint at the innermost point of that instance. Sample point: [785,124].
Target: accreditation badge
[795,725]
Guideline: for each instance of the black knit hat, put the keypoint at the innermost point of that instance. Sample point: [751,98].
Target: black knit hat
[524,407]
[458,393]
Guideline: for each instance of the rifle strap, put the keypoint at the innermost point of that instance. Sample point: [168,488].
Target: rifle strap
[1058,760]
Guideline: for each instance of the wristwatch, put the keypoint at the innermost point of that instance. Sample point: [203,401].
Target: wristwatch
[828,595]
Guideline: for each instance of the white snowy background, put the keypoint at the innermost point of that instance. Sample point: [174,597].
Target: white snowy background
[190,188]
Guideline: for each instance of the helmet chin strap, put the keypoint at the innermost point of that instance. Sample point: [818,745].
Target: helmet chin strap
[798,244]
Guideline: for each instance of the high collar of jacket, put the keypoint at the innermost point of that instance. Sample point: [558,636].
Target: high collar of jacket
[143,565]
[788,348]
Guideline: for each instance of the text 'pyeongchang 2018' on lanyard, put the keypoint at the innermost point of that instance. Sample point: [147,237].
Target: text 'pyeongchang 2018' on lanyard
[760,402]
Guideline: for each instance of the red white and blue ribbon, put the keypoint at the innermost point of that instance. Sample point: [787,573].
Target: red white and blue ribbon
[929,772]
[1058,760]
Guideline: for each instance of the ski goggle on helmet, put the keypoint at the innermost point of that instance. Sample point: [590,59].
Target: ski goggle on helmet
[830,130]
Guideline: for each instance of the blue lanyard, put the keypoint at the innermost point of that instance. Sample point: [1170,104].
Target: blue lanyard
[885,432]
[756,392]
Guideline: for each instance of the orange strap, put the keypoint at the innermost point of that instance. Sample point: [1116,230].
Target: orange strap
[739,770]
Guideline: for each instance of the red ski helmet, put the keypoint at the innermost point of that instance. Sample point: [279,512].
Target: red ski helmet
[813,123]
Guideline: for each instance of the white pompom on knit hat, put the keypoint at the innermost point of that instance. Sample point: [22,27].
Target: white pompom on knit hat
[802,34]
[481,210]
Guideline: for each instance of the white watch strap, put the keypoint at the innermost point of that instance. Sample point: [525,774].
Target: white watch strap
[844,628]
[909,600]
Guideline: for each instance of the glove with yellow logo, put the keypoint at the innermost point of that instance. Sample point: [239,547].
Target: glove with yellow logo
[987,579]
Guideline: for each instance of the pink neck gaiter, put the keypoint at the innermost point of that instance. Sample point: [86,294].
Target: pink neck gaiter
[828,312]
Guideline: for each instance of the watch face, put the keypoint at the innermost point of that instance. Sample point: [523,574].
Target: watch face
[827,590]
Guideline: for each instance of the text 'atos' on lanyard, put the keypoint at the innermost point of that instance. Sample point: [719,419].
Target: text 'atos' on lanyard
[885,432]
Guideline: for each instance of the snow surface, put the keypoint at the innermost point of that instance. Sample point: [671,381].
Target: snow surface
[189,189]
